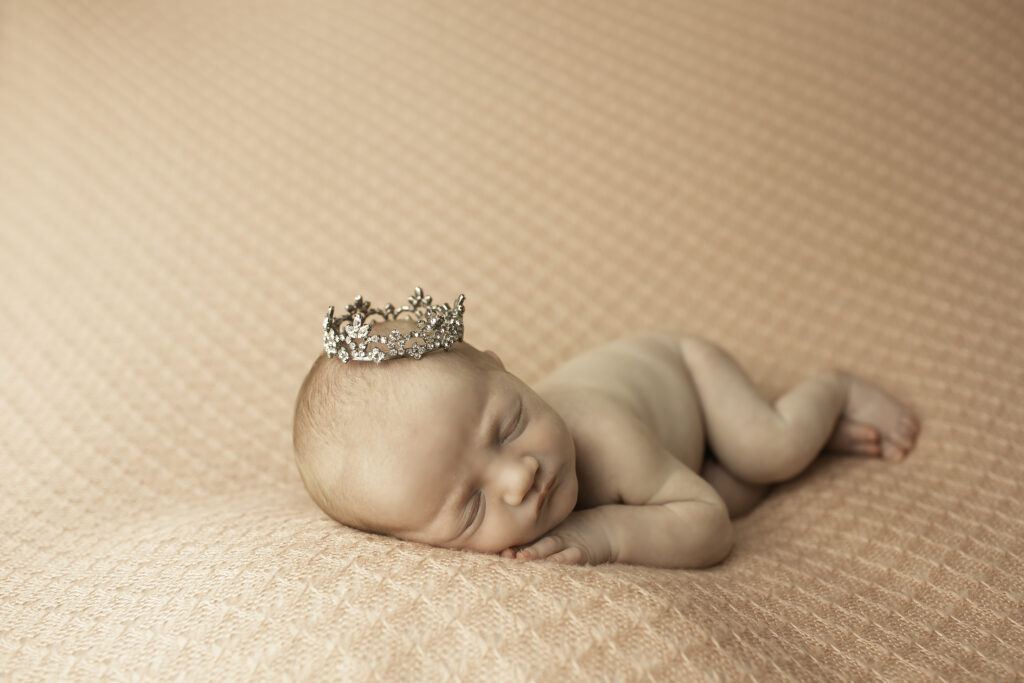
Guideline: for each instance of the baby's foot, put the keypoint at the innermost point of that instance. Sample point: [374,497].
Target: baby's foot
[873,422]
[854,438]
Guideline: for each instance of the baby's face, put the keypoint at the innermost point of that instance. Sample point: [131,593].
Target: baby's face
[472,459]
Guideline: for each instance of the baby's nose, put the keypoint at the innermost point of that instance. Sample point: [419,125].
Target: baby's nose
[517,478]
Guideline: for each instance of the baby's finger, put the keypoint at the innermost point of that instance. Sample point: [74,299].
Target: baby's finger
[540,549]
[571,555]
[508,553]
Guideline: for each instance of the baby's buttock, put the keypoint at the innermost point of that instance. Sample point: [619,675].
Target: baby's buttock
[645,374]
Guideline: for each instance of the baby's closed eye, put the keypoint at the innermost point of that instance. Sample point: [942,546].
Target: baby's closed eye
[475,508]
[512,430]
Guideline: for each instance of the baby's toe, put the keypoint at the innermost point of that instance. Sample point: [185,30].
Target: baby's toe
[873,448]
[911,427]
[861,450]
[850,436]
[863,433]
[892,451]
[903,435]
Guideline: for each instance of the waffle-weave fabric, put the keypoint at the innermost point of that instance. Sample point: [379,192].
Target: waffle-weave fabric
[185,187]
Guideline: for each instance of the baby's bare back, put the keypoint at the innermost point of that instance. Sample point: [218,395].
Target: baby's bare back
[642,374]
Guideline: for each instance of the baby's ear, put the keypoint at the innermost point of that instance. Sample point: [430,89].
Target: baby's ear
[494,357]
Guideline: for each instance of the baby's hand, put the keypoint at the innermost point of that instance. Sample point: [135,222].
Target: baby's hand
[580,539]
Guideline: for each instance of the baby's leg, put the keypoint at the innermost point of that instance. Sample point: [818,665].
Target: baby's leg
[762,443]
[739,496]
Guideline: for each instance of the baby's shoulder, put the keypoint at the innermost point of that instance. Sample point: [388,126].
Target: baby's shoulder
[637,373]
[580,404]
[643,355]
[615,451]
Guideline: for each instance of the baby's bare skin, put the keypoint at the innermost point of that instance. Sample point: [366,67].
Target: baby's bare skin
[643,377]
[603,460]
[638,409]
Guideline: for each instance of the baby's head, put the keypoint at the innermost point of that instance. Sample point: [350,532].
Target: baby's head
[450,450]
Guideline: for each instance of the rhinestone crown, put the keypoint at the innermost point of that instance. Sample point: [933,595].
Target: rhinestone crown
[437,328]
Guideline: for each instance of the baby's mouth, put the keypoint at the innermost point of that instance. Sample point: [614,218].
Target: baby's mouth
[545,493]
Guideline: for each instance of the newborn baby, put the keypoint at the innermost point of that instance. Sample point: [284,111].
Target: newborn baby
[637,451]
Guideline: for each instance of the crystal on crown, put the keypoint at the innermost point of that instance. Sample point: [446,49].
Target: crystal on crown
[350,336]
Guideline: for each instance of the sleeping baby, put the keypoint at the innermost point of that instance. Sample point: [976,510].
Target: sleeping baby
[638,451]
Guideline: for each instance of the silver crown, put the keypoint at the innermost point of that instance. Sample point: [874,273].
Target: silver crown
[437,328]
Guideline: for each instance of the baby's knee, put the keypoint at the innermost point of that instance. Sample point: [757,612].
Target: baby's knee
[774,468]
[700,351]
[762,454]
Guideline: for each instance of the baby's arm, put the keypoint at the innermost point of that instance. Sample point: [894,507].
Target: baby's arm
[668,515]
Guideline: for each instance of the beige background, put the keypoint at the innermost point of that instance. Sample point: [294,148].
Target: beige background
[185,187]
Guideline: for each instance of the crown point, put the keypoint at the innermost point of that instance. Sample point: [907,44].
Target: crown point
[437,327]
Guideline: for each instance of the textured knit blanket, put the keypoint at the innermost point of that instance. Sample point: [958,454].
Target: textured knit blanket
[185,187]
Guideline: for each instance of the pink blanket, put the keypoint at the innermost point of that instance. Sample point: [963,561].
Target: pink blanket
[185,187]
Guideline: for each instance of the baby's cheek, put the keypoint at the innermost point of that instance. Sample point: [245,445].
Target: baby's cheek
[569,496]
